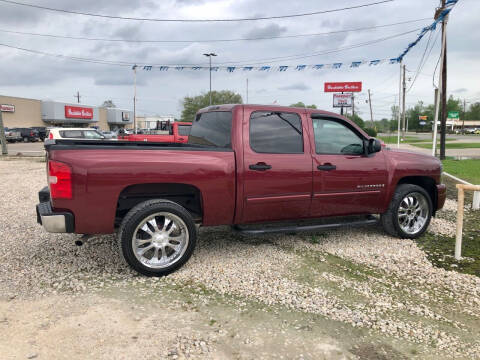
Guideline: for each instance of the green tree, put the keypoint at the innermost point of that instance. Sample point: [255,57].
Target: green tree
[454,104]
[473,112]
[108,104]
[191,105]
[302,105]
[357,120]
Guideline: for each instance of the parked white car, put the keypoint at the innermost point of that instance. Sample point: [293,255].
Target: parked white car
[75,134]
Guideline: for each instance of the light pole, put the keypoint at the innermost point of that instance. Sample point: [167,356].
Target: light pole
[134,68]
[209,55]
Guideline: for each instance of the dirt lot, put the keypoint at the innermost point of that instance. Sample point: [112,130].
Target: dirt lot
[342,294]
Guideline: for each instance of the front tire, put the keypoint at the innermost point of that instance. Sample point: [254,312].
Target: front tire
[409,212]
[157,237]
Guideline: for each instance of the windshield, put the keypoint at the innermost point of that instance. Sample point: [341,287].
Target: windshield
[212,129]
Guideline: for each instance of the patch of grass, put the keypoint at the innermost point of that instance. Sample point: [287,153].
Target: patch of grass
[440,249]
[468,170]
[451,145]
[392,139]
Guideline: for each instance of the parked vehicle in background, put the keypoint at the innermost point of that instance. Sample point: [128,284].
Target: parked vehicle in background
[178,133]
[242,165]
[27,134]
[42,132]
[111,135]
[12,136]
[75,133]
[471,130]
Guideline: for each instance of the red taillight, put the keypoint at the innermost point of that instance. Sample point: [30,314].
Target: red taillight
[60,180]
[50,136]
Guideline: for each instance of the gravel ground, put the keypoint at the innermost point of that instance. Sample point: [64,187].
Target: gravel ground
[358,280]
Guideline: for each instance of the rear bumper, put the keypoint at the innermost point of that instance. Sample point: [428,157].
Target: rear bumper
[441,195]
[52,221]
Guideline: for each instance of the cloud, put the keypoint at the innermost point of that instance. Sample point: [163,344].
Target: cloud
[300,86]
[460,90]
[266,31]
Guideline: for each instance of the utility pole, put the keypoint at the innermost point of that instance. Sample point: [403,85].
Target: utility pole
[371,113]
[341,108]
[209,55]
[353,106]
[77,96]
[403,101]
[443,123]
[3,138]
[134,68]
[399,103]
[464,114]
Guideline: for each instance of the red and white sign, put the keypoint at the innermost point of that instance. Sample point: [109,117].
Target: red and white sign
[343,86]
[342,100]
[7,108]
[77,112]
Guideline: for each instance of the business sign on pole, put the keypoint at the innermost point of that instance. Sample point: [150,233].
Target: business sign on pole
[423,117]
[77,112]
[7,108]
[342,100]
[343,86]
[453,115]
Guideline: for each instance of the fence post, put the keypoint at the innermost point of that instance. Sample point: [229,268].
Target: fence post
[458,239]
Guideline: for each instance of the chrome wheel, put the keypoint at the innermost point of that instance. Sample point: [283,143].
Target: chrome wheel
[413,213]
[160,240]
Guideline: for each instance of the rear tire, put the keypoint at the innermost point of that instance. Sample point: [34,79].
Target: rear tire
[157,237]
[409,212]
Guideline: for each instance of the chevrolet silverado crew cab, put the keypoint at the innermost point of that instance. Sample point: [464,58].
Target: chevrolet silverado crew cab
[250,166]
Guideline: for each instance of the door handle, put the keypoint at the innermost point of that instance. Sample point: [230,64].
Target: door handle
[261,166]
[326,167]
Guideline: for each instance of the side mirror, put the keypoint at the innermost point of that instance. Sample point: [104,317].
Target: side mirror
[374,145]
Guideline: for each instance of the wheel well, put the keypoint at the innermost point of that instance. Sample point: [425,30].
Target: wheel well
[185,195]
[426,183]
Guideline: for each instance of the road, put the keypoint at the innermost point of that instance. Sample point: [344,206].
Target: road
[26,149]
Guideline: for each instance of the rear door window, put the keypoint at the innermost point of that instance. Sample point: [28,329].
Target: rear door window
[184,130]
[276,133]
[92,134]
[212,129]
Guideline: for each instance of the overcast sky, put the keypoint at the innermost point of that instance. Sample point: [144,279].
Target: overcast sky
[30,75]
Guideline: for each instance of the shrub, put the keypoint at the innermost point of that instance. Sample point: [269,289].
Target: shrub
[371,132]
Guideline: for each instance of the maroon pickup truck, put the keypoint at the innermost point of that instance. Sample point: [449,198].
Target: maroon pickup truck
[250,166]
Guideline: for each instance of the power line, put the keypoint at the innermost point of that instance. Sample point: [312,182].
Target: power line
[125,63]
[208,40]
[193,20]
[308,55]
[421,65]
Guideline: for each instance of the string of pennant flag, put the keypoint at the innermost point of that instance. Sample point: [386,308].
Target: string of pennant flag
[280,68]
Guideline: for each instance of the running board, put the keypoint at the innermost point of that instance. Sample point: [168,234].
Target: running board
[370,220]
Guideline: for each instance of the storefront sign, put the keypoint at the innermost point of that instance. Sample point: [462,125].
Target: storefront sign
[343,86]
[77,112]
[125,116]
[342,100]
[7,108]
